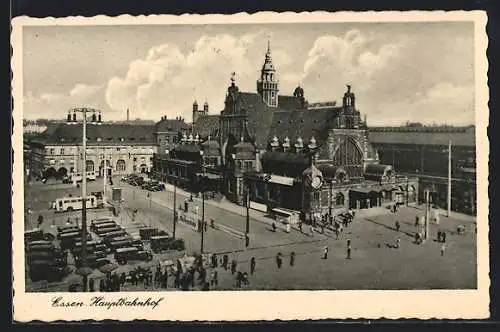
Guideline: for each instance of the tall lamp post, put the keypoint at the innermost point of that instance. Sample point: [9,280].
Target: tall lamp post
[175,202]
[84,190]
[247,226]
[202,230]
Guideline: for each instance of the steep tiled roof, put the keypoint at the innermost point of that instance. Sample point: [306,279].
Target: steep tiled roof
[289,102]
[108,133]
[288,119]
[423,136]
[301,123]
[171,125]
[207,125]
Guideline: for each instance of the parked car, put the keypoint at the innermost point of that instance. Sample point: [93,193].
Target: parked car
[165,242]
[124,255]
[47,270]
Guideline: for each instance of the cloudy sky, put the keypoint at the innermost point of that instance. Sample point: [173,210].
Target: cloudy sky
[400,72]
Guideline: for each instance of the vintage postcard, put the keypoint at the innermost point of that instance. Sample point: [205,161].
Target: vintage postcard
[262,166]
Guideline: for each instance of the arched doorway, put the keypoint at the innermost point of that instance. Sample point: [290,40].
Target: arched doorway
[143,168]
[121,166]
[108,167]
[50,173]
[62,172]
[89,166]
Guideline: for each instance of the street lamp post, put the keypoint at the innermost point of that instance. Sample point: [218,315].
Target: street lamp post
[247,227]
[84,192]
[175,202]
[202,203]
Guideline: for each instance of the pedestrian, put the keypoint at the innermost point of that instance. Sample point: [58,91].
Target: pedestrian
[398,241]
[443,248]
[278,260]
[398,225]
[186,205]
[417,219]
[292,258]
[325,252]
[102,286]
[225,261]
[205,225]
[274,227]
[288,227]
[68,222]
[40,220]
[234,264]
[443,237]
[311,229]
[348,249]
[91,285]
[252,265]
[123,279]
[216,278]
[300,226]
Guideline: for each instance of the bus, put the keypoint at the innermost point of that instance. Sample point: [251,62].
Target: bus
[78,177]
[74,203]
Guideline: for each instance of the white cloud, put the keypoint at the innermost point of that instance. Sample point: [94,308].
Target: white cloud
[443,103]
[55,105]
[167,81]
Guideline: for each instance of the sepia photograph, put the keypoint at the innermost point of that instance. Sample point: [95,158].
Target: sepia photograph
[267,155]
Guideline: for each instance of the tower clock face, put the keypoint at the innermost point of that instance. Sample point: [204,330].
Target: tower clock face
[316,182]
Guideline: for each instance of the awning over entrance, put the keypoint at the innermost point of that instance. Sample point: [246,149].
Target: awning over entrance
[210,176]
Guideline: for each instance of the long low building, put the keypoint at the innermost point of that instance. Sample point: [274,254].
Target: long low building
[422,152]
[123,148]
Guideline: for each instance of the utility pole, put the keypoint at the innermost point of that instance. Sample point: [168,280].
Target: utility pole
[247,228]
[449,178]
[426,220]
[84,192]
[175,210]
[202,219]
[105,170]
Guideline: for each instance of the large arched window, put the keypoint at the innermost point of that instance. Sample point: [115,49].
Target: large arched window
[350,157]
[120,165]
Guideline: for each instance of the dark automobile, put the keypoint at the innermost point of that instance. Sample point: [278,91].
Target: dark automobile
[48,270]
[40,245]
[92,260]
[165,242]
[109,237]
[98,226]
[107,229]
[68,240]
[121,242]
[67,228]
[123,255]
[33,235]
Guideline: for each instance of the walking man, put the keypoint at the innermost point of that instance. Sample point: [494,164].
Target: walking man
[292,258]
[252,265]
[348,249]
[398,225]
[417,221]
[233,266]
[274,227]
[225,261]
[325,252]
[278,260]
[443,248]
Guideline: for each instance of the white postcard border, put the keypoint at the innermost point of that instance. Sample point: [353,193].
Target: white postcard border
[263,305]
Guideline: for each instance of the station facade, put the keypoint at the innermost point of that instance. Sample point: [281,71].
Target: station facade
[279,151]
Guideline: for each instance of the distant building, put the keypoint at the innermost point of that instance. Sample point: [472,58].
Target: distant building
[284,152]
[124,148]
[422,152]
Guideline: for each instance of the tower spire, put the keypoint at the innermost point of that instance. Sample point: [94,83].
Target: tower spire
[267,85]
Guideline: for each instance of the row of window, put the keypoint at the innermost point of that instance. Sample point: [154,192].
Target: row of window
[63,151]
